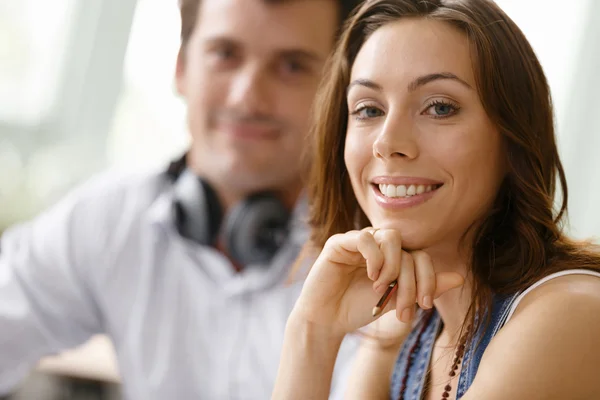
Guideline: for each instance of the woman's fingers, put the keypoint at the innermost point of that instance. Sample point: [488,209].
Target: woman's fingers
[355,249]
[407,289]
[419,283]
[446,281]
[390,243]
[380,250]
[426,279]
[374,257]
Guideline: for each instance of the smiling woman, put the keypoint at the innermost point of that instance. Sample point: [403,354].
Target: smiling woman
[443,180]
[426,126]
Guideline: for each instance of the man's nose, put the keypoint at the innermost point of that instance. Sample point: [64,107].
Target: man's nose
[250,91]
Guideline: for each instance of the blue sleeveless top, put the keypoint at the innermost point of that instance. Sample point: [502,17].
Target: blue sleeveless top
[415,381]
[502,309]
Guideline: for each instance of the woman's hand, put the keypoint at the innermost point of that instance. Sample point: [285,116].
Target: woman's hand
[353,271]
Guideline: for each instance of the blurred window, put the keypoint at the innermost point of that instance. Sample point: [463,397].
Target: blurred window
[33,40]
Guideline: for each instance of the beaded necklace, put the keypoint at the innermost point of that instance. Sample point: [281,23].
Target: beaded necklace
[412,352]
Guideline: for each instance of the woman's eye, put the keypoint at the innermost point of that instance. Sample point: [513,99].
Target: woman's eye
[367,112]
[440,109]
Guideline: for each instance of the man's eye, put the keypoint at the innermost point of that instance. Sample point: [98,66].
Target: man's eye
[224,53]
[293,67]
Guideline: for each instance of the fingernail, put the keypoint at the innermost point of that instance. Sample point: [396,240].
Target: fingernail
[406,315]
[427,301]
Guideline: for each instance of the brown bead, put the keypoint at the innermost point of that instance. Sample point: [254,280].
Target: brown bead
[446,395]
[455,367]
[452,373]
[448,388]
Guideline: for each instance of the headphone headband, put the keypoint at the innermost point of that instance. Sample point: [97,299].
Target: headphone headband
[252,232]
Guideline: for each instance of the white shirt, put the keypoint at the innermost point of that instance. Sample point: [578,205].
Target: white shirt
[108,259]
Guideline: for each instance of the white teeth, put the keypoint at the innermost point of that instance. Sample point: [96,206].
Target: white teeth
[400,191]
[404,190]
[390,191]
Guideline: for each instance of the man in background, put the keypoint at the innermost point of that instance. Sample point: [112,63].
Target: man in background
[179,267]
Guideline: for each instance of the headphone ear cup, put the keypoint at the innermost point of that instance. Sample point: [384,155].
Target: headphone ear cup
[198,212]
[256,229]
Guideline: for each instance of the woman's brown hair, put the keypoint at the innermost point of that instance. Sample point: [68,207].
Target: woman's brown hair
[521,239]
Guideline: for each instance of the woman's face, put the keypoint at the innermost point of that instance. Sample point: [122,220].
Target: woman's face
[422,155]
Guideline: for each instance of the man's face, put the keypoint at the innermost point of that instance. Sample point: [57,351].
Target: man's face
[249,75]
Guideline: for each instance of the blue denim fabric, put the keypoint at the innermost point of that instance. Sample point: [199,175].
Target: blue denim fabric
[473,353]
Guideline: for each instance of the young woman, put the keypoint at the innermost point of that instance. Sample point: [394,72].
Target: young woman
[435,167]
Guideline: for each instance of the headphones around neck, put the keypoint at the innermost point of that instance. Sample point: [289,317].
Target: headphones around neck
[251,232]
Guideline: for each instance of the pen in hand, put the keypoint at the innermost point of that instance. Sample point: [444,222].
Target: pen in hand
[385,298]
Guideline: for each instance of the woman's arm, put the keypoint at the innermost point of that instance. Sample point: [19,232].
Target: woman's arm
[549,349]
[375,359]
[372,371]
[309,354]
[307,360]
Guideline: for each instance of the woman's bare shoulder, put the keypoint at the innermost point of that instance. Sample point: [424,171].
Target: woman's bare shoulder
[550,347]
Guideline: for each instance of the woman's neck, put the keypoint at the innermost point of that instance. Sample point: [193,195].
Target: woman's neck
[453,305]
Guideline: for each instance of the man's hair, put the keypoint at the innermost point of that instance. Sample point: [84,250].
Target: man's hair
[189,14]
